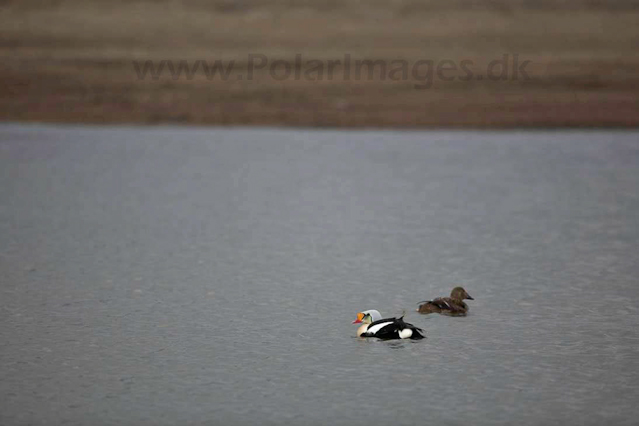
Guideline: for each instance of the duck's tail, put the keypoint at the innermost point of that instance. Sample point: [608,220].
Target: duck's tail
[417,334]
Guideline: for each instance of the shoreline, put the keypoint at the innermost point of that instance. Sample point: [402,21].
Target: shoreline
[74,62]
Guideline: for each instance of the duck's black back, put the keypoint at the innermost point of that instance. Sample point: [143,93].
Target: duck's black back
[391,331]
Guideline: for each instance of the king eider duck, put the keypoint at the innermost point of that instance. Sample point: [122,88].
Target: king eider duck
[453,305]
[388,328]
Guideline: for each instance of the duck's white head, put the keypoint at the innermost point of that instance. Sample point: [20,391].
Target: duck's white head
[368,317]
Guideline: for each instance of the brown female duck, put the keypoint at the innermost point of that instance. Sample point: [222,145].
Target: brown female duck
[453,305]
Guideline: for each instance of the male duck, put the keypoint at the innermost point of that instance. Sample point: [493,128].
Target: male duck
[453,305]
[388,328]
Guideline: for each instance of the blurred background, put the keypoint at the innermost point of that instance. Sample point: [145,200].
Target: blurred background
[75,61]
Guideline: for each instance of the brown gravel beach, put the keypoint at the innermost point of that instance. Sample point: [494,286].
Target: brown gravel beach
[407,63]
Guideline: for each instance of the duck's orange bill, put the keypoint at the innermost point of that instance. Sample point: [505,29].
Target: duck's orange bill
[359,318]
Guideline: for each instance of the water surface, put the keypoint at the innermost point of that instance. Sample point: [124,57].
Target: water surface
[167,276]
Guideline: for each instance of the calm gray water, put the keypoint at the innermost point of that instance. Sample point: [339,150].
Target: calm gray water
[176,276]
